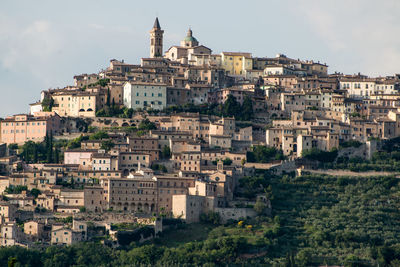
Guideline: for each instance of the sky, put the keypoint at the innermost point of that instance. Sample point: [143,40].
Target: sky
[44,43]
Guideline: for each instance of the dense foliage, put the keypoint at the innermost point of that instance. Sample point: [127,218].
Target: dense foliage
[158,167]
[333,220]
[46,151]
[47,103]
[387,158]
[229,108]
[317,220]
[351,143]
[264,154]
[320,155]
[15,189]
[380,161]
[115,111]
[165,152]
[146,124]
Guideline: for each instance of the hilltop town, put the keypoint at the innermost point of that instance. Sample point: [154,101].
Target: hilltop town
[136,149]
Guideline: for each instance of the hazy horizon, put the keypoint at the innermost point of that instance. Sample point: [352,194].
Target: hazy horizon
[43,44]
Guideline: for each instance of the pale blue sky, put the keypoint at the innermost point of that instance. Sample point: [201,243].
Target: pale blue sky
[44,44]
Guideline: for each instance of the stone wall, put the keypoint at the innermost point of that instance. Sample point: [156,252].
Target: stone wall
[285,166]
[235,213]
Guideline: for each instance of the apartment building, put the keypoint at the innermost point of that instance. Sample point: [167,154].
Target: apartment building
[22,128]
[236,63]
[145,95]
[77,102]
[362,87]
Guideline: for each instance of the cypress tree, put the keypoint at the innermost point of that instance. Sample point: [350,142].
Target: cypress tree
[247,109]
[46,141]
[26,154]
[49,148]
[108,97]
[35,153]
[56,155]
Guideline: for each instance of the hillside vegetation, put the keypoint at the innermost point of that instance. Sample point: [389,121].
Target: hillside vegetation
[316,220]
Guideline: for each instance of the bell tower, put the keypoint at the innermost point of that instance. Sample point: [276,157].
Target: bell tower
[156,40]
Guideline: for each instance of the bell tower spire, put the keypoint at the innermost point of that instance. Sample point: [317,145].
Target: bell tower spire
[156,40]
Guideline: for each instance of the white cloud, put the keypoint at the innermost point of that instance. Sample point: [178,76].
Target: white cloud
[366,31]
[29,48]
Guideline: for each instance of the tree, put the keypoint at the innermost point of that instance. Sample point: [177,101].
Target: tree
[108,97]
[231,107]
[211,217]
[56,155]
[227,161]
[247,112]
[76,143]
[49,147]
[304,257]
[101,113]
[166,152]
[102,82]
[107,145]
[13,146]
[28,151]
[259,207]
[35,192]
[147,125]
[99,135]
[47,103]
[127,113]
[15,189]
[35,154]
[19,167]
[12,261]
[264,154]
[319,155]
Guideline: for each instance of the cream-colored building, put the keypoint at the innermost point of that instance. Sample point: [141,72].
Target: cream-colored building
[79,156]
[189,51]
[34,230]
[139,95]
[22,128]
[7,212]
[65,236]
[78,103]
[94,199]
[70,200]
[279,70]
[188,207]
[10,234]
[137,193]
[364,87]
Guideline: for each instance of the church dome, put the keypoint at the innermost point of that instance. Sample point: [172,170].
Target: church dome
[189,38]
